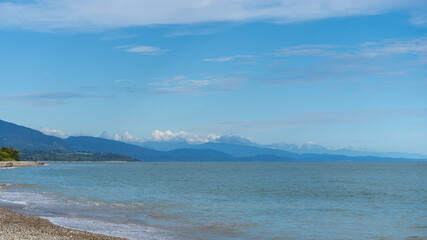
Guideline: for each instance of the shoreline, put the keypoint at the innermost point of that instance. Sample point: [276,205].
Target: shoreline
[14,225]
[20,164]
[17,226]
[89,161]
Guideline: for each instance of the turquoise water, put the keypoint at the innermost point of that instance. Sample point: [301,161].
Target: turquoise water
[226,200]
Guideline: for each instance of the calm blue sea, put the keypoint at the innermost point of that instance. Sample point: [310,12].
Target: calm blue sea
[226,200]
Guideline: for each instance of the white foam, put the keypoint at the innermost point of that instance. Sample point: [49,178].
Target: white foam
[47,202]
[130,231]
[7,168]
[30,198]
[13,202]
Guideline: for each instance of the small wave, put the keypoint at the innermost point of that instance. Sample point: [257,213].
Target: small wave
[14,202]
[130,231]
[128,205]
[54,207]
[11,196]
[19,185]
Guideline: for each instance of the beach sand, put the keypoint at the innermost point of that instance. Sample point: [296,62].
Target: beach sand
[20,164]
[14,226]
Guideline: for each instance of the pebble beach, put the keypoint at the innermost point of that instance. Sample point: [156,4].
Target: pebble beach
[16,226]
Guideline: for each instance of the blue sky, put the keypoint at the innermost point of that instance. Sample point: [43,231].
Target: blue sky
[336,73]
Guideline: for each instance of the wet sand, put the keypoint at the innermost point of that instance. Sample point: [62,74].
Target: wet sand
[16,226]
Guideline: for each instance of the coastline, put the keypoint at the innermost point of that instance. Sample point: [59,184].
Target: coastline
[15,225]
[20,164]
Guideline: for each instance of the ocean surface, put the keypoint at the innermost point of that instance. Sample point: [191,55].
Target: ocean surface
[347,200]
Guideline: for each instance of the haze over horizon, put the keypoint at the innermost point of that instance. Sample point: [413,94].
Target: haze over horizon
[336,73]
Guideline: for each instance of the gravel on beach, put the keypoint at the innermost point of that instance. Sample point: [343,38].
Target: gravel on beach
[20,164]
[16,226]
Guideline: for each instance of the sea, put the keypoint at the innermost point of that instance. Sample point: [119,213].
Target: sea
[176,200]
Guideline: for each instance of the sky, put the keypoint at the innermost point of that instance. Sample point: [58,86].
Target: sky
[339,73]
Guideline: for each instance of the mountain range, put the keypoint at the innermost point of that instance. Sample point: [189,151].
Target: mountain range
[293,148]
[23,138]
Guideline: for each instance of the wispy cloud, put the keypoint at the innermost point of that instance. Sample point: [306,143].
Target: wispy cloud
[116,36]
[229,58]
[382,59]
[419,16]
[92,15]
[180,32]
[143,50]
[318,118]
[393,47]
[331,70]
[307,50]
[123,80]
[388,47]
[184,85]
[46,99]
[89,88]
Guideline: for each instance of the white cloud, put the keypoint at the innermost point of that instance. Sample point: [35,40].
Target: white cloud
[158,136]
[227,59]
[54,132]
[143,50]
[105,135]
[180,136]
[124,137]
[92,15]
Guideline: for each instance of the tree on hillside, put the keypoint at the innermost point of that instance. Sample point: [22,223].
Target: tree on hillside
[9,154]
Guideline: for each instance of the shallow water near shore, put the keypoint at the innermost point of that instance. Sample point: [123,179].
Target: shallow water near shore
[226,200]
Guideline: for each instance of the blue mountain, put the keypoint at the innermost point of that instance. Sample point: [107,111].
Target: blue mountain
[23,138]
[244,150]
